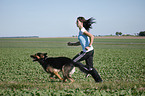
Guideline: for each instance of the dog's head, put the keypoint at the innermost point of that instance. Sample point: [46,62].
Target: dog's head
[39,56]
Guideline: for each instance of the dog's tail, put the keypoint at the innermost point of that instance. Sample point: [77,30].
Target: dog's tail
[72,71]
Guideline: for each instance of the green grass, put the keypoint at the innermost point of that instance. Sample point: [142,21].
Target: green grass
[120,62]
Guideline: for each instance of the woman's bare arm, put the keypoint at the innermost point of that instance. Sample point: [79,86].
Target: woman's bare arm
[91,39]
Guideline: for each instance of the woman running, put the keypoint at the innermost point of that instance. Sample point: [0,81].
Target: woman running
[85,40]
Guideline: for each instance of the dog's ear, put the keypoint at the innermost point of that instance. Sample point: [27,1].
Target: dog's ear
[45,54]
[38,54]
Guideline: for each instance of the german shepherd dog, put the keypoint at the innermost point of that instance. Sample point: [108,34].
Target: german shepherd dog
[53,65]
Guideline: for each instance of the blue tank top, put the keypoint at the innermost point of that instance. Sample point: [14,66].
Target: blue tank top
[84,40]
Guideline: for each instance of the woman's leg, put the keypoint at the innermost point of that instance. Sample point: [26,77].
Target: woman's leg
[80,57]
[89,60]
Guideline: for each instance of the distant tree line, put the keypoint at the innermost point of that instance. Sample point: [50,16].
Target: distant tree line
[142,33]
[118,33]
[22,37]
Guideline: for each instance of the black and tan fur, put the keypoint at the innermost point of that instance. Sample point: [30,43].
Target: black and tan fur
[53,65]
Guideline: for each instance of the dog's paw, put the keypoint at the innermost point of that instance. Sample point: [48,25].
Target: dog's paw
[52,78]
[65,80]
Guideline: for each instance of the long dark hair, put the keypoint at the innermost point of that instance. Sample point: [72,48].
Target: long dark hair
[87,23]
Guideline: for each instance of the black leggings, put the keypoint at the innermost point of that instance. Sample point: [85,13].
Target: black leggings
[87,56]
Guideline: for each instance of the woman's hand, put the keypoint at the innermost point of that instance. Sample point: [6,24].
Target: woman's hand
[87,48]
[69,44]
[73,43]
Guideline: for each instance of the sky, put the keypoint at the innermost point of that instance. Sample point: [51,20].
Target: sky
[57,18]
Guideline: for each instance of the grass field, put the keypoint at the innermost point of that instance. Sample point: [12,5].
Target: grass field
[120,62]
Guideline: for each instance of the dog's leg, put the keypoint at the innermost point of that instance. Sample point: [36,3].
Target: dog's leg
[56,73]
[51,76]
[64,77]
[72,80]
[53,71]
[67,72]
